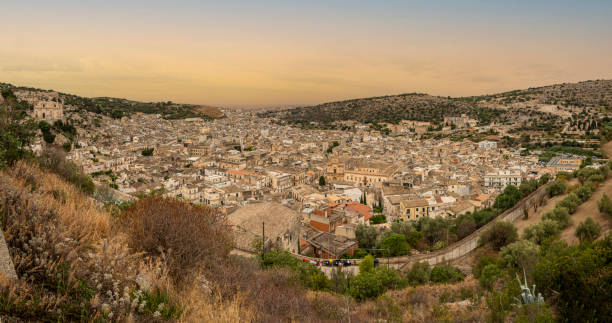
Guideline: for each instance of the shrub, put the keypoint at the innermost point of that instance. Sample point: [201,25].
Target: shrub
[367,264]
[559,215]
[571,203]
[419,273]
[481,263]
[396,244]
[542,231]
[558,187]
[445,274]
[578,277]
[522,254]
[378,219]
[186,235]
[500,234]
[490,274]
[585,191]
[605,205]
[365,285]
[389,278]
[147,152]
[55,160]
[534,313]
[588,230]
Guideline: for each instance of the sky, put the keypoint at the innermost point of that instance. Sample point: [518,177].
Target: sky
[258,53]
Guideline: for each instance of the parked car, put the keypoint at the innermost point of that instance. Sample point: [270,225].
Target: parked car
[346,262]
[327,262]
[336,262]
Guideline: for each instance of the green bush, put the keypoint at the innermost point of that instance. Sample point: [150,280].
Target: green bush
[560,215]
[585,191]
[542,231]
[147,151]
[605,205]
[490,274]
[389,278]
[558,187]
[367,264]
[588,230]
[419,273]
[365,285]
[445,274]
[396,244]
[500,234]
[571,203]
[578,277]
[378,219]
[534,313]
[481,263]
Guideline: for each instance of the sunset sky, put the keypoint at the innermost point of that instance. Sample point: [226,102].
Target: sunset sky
[268,53]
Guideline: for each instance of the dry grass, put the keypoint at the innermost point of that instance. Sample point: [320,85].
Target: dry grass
[74,263]
[185,235]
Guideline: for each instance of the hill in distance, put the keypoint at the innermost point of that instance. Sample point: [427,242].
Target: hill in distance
[118,107]
[423,107]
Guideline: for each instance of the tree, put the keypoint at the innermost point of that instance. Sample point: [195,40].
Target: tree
[541,231]
[508,198]
[378,219]
[571,203]
[605,205]
[500,234]
[465,228]
[522,254]
[557,187]
[147,151]
[434,229]
[588,230]
[396,244]
[367,264]
[366,236]
[322,181]
[558,214]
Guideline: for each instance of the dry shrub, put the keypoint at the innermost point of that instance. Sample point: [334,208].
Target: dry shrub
[70,267]
[184,234]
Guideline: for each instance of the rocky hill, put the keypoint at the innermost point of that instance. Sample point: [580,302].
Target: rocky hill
[497,107]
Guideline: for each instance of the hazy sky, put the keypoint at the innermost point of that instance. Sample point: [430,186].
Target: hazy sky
[259,53]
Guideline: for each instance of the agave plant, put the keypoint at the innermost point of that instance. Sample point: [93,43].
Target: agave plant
[528,296]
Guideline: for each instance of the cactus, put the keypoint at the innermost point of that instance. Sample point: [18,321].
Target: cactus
[528,296]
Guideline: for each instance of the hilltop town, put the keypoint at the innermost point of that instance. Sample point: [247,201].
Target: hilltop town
[321,183]
[140,211]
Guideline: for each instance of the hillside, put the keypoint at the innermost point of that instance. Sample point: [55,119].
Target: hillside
[118,107]
[544,104]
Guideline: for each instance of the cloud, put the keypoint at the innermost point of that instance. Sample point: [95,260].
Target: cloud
[42,67]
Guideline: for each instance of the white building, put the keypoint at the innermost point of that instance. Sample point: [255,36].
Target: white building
[503,178]
[487,145]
